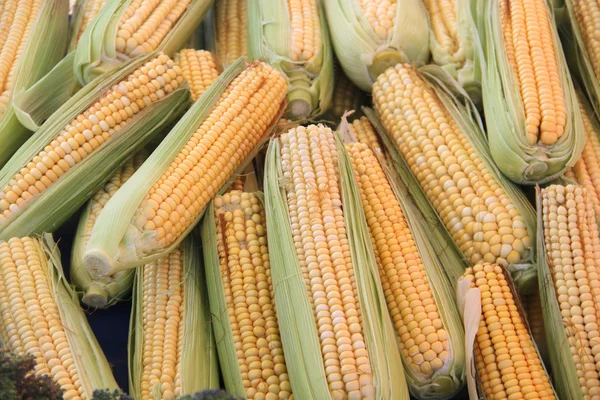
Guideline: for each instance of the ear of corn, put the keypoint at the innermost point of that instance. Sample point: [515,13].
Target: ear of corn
[238,274]
[371,35]
[337,335]
[199,68]
[532,305]
[584,170]
[569,263]
[293,37]
[171,344]
[84,13]
[502,352]
[451,40]
[228,31]
[126,29]
[100,293]
[40,316]
[33,38]
[534,125]
[214,141]
[84,141]
[488,218]
[582,46]
[363,132]
[419,296]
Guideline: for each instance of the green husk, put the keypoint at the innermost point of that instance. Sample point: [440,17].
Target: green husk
[445,383]
[45,213]
[91,364]
[297,325]
[198,365]
[116,244]
[310,83]
[519,161]
[362,53]
[461,63]
[458,104]
[564,371]
[106,291]
[96,52]
[44,48]
[76,22]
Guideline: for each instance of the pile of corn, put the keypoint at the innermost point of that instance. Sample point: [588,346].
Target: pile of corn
[309,199]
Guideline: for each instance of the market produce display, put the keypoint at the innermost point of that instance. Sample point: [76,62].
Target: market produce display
[299,199]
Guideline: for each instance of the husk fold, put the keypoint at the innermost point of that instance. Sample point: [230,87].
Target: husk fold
[464,112]
[96,52]
[310,83]
[362,53]
[199,364]
[47,211]
[519,161]
[46,45]
[116,244]
[297,325]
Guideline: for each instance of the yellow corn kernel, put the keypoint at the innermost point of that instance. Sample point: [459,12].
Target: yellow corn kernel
[199,68]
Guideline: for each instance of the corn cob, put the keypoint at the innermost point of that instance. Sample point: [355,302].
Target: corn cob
[40,316]
[508,365]
[431,339]
[231,18]
[78,148]
[172,348]
[346,97]
[534,125]
[532,306]
[325,273]
[452,33]
[584,172]
[371,35]
[126,29]
[488,218]
[33,37]
[105,292]
[166,197]
[293,37]
[199,68]
[241,297]
[85,12]
[569,248]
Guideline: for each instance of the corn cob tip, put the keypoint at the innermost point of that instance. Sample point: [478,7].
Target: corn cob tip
[96,296]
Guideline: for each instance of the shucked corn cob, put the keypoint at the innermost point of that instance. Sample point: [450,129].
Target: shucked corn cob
[324,273]
[99,293]
[426,321]
[487,217]
[171,344]
[40,316]
[294,38]
[241,296]
[166,197]
[199,68]
[33,37]
[84,141]
[586,170]
[371,35]
[532,305]
[126,29]
[534,125]
[508,365]
[570,288]
[231,20]
[452,32]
